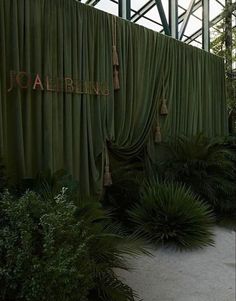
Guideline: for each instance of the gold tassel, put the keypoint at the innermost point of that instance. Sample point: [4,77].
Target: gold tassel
[157,138]
[115,59]
[107,180]
[164,109]
[116,81]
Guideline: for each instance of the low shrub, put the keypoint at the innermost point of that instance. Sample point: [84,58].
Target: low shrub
[170,214]
[51,249]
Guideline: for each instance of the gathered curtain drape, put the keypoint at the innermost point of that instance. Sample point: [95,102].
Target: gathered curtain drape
[65,39]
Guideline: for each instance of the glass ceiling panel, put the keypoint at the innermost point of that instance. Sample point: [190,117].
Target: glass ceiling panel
[196,44]
[153,14]
[180,24]
[198,13]
[149,24]
[108,6]
[180,11]
[137,4]
[193,25]
[215,9]
[184,3]
[199,39]
[166,8]
[234,21]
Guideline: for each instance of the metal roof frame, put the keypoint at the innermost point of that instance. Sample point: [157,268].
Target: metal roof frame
[170,26]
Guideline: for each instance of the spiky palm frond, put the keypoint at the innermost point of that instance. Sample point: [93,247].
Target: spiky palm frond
[203,164]
[109,247]
[110,287]
[48,183]
[169,213]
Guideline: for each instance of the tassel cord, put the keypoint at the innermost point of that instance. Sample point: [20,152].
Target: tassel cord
[115,58]
[107,180]
[163,109]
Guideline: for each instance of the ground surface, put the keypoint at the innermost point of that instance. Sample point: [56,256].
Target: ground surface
[205,275]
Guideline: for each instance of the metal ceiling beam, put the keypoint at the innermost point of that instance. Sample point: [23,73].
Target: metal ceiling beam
[92,2]
[151,3]
[195,7]
[205,26]
[196,41]
[173,18]
[124,9]
[143,10]
[191,14]
[163,17]
[220,3]
[186,18]
[198,33]
[145,17]
[146,8]
[171,28]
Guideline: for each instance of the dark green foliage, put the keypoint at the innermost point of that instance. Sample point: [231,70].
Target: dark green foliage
[204,165]
[109,287]
[51,249]
[3,177]
[171,214]
[124,192]
[48,184]
[226,210]
[43,250]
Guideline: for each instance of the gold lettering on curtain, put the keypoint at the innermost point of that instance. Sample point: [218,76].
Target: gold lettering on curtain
[24,80]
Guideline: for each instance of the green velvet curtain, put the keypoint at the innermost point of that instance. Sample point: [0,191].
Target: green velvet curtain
[63,38]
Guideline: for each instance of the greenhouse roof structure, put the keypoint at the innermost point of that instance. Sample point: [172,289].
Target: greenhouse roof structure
[191,21]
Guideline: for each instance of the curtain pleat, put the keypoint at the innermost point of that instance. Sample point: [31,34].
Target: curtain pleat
[64,38]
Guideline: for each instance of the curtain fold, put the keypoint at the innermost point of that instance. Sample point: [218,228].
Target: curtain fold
[61,40]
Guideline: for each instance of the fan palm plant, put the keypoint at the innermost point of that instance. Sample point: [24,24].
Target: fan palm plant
[203,164]
[107,249]
[170,214]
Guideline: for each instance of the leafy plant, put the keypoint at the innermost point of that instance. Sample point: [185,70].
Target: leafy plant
[222,44]
[51,249]
[226,210]
[204,165]
[170,214]
[48,184]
